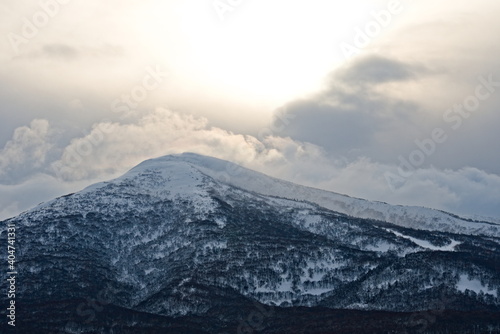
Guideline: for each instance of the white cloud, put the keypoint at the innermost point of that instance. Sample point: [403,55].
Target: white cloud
[26,151]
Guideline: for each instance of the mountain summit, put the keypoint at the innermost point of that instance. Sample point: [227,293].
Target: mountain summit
[193,244]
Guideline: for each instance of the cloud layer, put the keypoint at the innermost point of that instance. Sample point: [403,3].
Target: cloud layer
[110,148]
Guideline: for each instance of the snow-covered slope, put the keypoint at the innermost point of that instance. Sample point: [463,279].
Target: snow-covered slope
[166,178]
[406,216]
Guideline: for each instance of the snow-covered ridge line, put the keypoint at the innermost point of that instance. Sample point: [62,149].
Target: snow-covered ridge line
[406,216]
[185,172]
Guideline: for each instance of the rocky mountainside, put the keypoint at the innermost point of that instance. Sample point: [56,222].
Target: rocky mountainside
[192,244]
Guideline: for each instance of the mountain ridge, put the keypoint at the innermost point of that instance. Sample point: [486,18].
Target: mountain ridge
[235,175]
[244,178]
[175,237]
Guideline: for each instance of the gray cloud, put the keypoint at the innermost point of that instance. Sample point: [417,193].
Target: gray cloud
[34,190]
[347,117]
[60,51]
[377,70]
[67,52]
[363,112]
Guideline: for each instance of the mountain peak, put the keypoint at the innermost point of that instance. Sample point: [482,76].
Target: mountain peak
[203,161]
[408,216]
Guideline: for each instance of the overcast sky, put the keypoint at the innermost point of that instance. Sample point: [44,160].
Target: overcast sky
[395,101]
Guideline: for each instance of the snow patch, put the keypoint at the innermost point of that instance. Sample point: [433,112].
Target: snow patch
[381,246]
[221,222]
[426,244]
[465,283]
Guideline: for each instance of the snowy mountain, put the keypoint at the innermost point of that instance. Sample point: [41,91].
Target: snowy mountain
[188,240]
[414,217]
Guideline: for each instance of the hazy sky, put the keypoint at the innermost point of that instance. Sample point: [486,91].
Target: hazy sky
[395,101]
